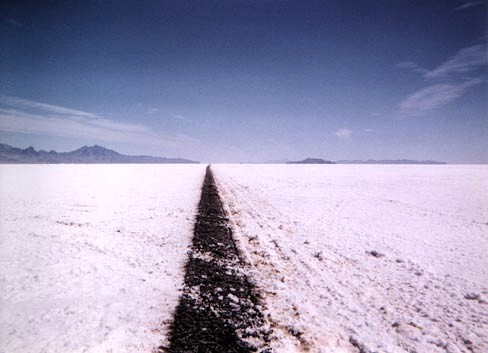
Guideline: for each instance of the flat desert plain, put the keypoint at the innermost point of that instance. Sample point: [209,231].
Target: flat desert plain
[347,258]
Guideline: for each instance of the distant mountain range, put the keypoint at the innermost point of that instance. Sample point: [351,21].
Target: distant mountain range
[85,154]
[99,154]
[389,161]
[311,161]
[369,161]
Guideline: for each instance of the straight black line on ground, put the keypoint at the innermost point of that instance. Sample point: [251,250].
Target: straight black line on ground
[219,305]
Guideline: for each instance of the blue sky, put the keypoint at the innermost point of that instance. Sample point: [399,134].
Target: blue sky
[232,81]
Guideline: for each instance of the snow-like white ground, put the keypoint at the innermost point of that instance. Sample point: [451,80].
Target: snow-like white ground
[92,256]
[308,233]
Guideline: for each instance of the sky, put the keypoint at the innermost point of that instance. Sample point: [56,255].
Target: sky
[248,81]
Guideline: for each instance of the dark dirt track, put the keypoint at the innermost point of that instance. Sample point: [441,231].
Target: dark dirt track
[218,300]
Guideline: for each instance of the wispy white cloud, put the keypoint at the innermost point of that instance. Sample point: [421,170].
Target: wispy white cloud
[447,82]
[411,66]
[469,4]
[25,116]
[177,116]
[152,110]
[466,60]
[343,134]
[13,22]
[28,104]
[433,97]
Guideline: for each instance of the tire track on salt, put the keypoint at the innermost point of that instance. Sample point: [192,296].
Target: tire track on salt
[219,309]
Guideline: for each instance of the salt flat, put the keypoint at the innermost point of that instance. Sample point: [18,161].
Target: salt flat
[347,257]
[91,256]
[379,258]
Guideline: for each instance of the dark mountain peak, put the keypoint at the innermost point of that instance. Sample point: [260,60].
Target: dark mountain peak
[95,150]
[30,150]
[5,147]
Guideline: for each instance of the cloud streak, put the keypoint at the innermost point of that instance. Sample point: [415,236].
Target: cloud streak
[152,110]
[448,81]
[30,117]
[469,4]
[411,66]
[27,104]
[464,61]
[343,134]
[433,97]
[13,22]
[177,116]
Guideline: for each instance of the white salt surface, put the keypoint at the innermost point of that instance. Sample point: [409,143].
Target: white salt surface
[92,256]
[308,233]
